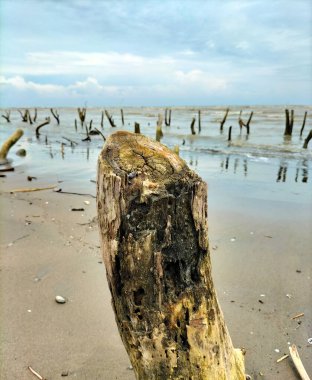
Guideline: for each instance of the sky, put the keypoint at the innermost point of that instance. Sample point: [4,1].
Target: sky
[155,52]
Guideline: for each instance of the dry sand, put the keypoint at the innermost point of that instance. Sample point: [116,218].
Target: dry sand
[261,266]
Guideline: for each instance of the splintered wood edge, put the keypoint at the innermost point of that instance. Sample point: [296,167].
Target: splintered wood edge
[298,363]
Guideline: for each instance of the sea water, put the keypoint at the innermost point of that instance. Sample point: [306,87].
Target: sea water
[262,160]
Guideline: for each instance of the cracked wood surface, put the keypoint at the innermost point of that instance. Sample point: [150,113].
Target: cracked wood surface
[152,212]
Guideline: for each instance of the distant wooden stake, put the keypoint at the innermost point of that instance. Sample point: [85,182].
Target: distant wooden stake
[306,141]
[298,363]
[55,115]
[289,122]
[102,119]
[303,123]
[230,134]
[199,122]
[110,119]
[29,117]
[82,112]
[42,125]
[24,116]
[122,117]
[248,122]
[7,116]
[192,126]
[137,128]
[35,116]
[167,117]
[224,119]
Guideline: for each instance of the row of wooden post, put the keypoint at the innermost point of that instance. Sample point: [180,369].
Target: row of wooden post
[26,117]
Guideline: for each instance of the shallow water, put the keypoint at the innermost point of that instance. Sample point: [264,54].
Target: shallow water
[263,158]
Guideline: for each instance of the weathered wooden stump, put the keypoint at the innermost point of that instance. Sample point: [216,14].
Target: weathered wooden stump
[152,212]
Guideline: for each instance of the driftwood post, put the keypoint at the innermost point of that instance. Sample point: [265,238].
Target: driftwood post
[122,117]
[192,126]
[137,127]
[224,119]
[167,117]
[7,116]
[289,122]
[152,212]
[303,123]
[306,141]
[55,115]
[199,122]
[110,119]
[6,146]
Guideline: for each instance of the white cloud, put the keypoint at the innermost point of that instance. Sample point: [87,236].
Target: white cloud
[84,63]
[20,83]
[201,80]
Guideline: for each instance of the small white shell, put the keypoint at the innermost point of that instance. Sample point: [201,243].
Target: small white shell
[60,299]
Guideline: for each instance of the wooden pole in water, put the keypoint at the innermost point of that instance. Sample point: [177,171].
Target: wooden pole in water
[110,119]
[248,122]
[102,119]
[224,119]
[55,115]
[192,126]
[306,141]
[136,127]
[122,117]
[199,122]
[303,123]
[230,134]
[289,122]
[7,116]
[47,121]
[152,212]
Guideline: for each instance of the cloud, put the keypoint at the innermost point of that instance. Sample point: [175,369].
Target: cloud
[200,80]
[19,83]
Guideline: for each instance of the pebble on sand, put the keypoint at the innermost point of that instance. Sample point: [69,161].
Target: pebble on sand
[60,299]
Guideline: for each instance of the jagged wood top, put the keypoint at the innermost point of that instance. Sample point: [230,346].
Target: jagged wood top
[127,153]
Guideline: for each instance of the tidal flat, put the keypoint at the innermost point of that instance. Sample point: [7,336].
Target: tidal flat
[260,223]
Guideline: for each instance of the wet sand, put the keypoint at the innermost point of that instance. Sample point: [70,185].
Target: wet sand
[261,258]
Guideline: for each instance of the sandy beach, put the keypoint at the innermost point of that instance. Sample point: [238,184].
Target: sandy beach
[261,256]
[260,225]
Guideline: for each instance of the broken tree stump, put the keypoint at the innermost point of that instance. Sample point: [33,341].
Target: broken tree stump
[55,115]
[152,212]
[6,146]
[224,119]
[192,126]
[7,116]
[122,117]
[167,117]
[303,123]
[289,122]
[306,141]
[110,119]
[47,121]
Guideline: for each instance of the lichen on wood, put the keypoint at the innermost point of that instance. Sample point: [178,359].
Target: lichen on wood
[152,212]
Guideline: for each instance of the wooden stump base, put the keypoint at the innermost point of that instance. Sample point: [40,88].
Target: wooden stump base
[152,212]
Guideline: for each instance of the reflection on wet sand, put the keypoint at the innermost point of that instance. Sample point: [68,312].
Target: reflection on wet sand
[225,164]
